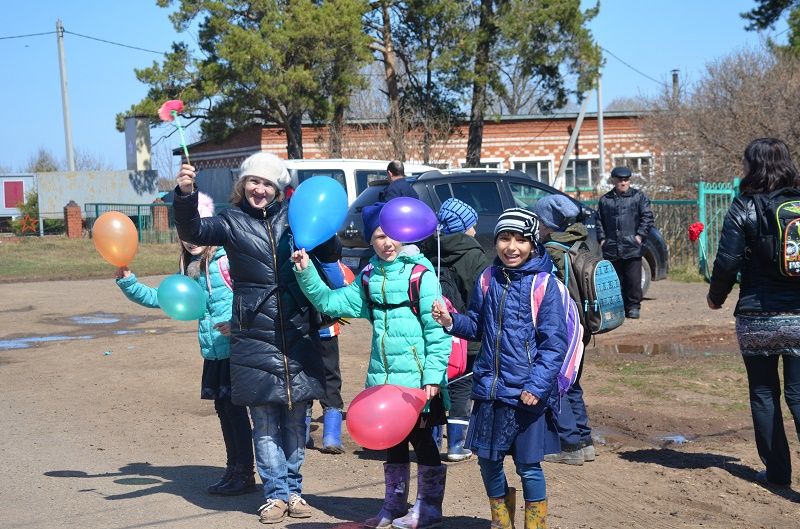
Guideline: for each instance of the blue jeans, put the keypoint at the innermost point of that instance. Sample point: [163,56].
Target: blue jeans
[572,421]
[279,436]
[534,487]
[765,405]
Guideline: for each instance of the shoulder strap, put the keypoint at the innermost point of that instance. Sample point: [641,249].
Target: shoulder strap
[414,282]
[225,271]
[486,278]
[538,289]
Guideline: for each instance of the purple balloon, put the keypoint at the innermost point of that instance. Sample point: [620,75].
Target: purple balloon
[407,219]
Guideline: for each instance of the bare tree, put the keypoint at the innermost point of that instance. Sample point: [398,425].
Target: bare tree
[43,161]
[85,161]
[702,134]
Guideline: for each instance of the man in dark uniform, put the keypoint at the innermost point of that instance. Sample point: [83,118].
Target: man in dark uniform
[624,220]
[398,186]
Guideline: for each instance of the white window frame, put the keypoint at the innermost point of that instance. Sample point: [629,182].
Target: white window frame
[536,159]
[639,156]
[594,164]
[462,162]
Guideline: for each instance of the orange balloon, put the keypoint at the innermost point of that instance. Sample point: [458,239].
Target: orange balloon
[115,238]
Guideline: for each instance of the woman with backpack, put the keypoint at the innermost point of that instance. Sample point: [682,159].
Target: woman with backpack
[760,240]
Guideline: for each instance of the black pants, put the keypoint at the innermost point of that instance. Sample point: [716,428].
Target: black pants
[333,376]
[424,446]
[630,278]
[765,405]
[236,432]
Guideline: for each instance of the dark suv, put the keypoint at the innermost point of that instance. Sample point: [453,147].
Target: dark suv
[489,192]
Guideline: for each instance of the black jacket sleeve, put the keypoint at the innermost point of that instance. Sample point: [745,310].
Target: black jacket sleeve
[210,231]
[645,216]
[601,234]
[730,252]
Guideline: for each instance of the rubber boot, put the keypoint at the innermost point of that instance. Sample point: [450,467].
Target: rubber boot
[427,510]
[503,510]
[242,481]
[395,502]
[437,436]
[536,514]
[332,431]
[214,488]
[456,435]
[309,439]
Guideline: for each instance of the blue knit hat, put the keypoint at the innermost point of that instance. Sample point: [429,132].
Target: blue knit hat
[371,216]
[556,211]
[456,216]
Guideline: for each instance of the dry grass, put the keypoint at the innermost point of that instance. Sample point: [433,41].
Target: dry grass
[57,258]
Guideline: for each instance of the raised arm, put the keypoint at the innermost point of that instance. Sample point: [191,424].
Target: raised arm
[345,302]
[210,231]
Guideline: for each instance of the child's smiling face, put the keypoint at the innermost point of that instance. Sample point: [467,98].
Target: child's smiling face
[385,247]
[513,249]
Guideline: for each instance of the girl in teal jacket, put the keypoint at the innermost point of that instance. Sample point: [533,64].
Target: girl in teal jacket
[407,350]
[208,265]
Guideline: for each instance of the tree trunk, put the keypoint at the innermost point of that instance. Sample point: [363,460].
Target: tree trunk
[390,71]
[294,136]
[486,38]
[336,131]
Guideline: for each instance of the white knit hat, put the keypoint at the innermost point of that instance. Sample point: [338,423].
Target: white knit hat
[267,166]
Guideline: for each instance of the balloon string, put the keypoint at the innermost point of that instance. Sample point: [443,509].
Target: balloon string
[439,262]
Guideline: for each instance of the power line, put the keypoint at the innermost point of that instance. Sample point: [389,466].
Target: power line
[28,35]
[114,43]
[633,68]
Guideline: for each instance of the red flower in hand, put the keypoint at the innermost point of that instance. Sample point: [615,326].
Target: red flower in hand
[695,230]
[166,110]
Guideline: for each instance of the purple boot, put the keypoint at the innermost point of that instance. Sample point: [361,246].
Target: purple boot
[427,510]
[395,503]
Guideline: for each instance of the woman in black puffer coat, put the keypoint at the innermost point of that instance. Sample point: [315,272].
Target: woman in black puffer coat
[276,367]
[768,310]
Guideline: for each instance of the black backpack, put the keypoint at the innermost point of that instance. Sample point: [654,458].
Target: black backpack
[779,212]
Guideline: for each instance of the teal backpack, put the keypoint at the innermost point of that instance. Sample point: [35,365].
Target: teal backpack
[598,288]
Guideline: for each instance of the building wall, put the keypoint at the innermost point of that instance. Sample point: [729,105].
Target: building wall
[504,142]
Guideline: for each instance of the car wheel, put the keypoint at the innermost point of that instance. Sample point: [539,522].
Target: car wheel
[646,276]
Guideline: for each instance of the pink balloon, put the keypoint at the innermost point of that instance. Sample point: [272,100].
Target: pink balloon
[382,416]
[407,219]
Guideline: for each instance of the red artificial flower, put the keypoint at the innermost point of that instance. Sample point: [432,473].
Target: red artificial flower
[695,230]
[166,110]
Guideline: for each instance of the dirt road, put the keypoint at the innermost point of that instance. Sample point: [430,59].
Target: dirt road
[102,426]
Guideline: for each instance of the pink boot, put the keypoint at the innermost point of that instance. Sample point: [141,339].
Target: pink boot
[395,502]
[427,510]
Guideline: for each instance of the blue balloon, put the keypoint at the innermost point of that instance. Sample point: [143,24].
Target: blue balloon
[317,210]
[181,298]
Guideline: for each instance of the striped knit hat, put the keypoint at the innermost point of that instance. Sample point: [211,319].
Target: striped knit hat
[518,220]
[456,216]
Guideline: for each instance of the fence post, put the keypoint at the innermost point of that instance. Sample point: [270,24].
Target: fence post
[73,220]
[701,212]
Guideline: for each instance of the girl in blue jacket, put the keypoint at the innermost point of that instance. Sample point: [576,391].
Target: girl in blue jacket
[514,376]
[208,265]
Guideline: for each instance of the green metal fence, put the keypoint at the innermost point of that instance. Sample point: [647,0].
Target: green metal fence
[155,223]
[713,201]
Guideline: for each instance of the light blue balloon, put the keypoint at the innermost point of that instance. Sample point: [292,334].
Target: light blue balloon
[181,298]
[317,210]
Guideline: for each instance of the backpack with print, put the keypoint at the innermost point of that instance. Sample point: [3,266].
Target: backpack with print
[574,354]
[598,287]
[457,363]
[781,211]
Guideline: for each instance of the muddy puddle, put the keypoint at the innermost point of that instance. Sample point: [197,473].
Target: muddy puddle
[666,349]
[86,327]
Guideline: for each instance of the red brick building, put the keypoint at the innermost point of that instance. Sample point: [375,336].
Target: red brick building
[534,144]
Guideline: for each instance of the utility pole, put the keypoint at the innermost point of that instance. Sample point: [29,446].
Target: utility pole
[601,143]
[675,86]
[62,63]
[562,169]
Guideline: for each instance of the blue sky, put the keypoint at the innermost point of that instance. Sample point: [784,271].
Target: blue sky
[653,36]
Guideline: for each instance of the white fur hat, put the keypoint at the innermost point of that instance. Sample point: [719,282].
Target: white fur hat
[267,166]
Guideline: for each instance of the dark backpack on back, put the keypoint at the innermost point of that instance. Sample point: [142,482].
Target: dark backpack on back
[781,239]
[598,287]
